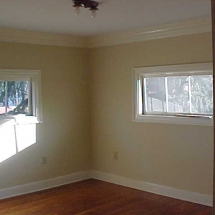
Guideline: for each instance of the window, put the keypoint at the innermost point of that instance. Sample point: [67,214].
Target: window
[20,92]
[180,94]
[14,97]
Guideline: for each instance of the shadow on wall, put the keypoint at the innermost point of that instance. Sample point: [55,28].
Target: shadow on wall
[14,139]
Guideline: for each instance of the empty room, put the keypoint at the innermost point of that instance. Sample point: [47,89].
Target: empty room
[106,107]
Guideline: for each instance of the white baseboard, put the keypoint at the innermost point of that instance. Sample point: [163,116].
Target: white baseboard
[43,185]
[140,185]
[155,188]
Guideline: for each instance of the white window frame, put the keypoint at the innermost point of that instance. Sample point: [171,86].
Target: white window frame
[185,69]
[34,76]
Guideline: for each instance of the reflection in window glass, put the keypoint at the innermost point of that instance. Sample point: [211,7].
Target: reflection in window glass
[155,94]
[178,94]
[202,94]
[191,95]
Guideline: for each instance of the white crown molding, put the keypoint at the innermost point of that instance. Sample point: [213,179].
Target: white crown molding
[43,185]
[170,30]
[154,188]
[39,38]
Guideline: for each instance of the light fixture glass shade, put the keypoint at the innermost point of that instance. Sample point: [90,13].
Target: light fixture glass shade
[77,10]
[93,13]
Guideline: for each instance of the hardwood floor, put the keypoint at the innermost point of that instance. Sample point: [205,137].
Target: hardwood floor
[93,197]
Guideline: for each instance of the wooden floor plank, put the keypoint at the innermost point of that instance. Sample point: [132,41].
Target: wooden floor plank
[94,197]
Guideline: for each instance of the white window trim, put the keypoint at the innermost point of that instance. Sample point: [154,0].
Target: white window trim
[35,77]
[138,73]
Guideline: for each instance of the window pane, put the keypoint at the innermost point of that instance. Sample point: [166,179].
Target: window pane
[155,94]
[202,94]
[2,97]
[18,94]
[178,94]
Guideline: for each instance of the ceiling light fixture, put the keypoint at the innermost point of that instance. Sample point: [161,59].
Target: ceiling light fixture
[91,5]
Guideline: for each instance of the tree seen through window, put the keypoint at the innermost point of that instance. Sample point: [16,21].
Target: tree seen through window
[14,96]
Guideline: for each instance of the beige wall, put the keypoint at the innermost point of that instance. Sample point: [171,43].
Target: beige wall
[64,134]
[172,155]
[177,156]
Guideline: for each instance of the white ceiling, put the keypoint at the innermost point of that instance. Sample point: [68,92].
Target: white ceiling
[57,16]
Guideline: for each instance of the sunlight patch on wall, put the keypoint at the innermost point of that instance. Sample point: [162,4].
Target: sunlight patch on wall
[14,139]
[25,136]
[7,142]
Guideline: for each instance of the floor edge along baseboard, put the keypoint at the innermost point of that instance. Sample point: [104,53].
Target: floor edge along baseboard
[43,185]
[155,188]
[127,182]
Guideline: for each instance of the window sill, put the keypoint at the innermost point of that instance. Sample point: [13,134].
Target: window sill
[174,120]
[18,120]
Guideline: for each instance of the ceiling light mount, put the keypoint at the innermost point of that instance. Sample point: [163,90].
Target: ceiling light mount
[91,5]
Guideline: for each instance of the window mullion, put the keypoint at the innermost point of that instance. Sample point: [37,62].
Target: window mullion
[167,100]
[189,87]
[145,99]
[30,98]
